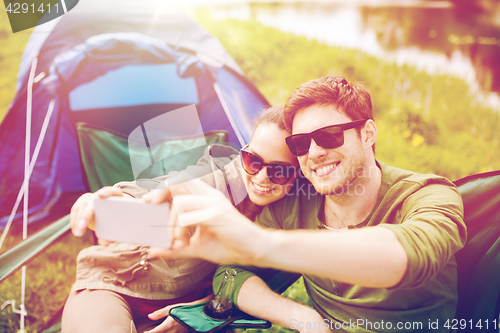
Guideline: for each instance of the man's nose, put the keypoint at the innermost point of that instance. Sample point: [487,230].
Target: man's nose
[316,151]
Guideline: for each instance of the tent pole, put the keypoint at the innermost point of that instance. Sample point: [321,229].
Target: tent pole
[38,147]
[41,137]
[27,153]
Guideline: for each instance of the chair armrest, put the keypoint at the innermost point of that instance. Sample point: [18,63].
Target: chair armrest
[22,253]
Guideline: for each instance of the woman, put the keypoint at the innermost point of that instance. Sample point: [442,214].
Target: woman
[119,289]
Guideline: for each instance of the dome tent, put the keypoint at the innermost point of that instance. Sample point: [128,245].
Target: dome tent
[114,64]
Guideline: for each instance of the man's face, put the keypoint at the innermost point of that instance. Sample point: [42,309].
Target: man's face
[331,171]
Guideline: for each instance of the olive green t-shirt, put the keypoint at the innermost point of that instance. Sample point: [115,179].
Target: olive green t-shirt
[426,214]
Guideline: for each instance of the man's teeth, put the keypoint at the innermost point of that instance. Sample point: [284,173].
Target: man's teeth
[262,188]
[326,168]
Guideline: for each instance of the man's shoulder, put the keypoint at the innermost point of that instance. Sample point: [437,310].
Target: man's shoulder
[397,177]
[406,187]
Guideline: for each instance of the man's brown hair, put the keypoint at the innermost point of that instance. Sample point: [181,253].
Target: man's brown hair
[351,98]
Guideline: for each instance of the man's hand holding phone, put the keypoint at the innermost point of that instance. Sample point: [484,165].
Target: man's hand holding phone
[211,228]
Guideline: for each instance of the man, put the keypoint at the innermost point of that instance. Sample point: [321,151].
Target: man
[387,264]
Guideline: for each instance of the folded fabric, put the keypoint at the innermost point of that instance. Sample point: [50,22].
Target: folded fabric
[193,318]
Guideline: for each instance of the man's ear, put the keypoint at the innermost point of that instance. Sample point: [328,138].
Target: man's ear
[369,134]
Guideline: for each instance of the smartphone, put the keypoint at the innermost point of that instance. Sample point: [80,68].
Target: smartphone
[130,220]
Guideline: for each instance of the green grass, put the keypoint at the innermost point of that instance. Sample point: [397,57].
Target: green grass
[430,124]
[48,281]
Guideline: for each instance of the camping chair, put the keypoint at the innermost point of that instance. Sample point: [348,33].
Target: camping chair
[105,155]
[105,160]
[479,261]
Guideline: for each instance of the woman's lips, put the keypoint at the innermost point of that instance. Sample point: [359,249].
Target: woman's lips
[259,189]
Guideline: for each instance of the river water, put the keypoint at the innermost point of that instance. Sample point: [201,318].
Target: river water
[435,36]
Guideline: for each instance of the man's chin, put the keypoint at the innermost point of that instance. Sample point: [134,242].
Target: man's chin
[325,189]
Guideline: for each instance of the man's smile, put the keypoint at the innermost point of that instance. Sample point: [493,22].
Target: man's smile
[323,170]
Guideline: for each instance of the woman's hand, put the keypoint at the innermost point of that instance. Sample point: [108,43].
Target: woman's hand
[82,212]
[170,325]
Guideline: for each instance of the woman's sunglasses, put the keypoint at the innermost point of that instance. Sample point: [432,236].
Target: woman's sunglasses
[277,173]
[328,137]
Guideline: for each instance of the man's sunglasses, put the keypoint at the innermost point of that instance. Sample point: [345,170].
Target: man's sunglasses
[277,173]
[328,137]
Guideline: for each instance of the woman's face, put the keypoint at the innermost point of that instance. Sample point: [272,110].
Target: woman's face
[268,142]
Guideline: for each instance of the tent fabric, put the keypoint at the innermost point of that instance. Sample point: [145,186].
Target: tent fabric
[150,83]
[88,60]
[107,52]
[154,18]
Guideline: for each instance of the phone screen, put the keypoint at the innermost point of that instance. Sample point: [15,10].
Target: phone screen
[130,220]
